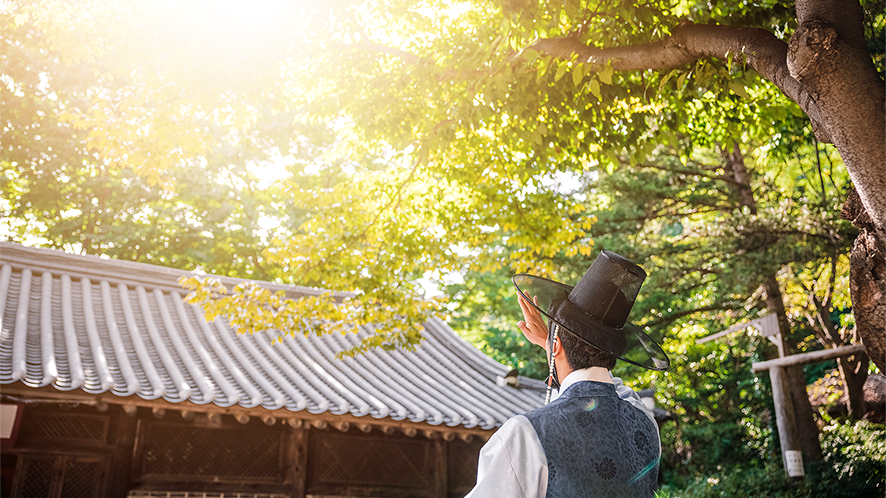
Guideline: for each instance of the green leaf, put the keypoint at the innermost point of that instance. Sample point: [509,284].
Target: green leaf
[681,80]
[594,88]
[576,76]
[665,80]
[606,74]
[561,70]
[739,90]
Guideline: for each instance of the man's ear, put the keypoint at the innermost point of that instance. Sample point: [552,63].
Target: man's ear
[556,346]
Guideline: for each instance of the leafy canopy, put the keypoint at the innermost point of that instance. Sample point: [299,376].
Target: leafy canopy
[407,139]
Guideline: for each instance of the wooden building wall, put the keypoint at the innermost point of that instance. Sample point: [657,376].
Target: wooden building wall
[80,452]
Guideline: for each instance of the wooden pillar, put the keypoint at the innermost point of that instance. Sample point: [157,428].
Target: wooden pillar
[121,457]
[440,474]
[297,461]
[786,423]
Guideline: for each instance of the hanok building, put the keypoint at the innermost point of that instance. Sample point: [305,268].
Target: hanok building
[112,386]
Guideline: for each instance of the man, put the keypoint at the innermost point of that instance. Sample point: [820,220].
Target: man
[596,438]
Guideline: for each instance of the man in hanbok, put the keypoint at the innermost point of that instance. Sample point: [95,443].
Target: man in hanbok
[595,437]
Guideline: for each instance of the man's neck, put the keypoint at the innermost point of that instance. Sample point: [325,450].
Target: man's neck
[597,374]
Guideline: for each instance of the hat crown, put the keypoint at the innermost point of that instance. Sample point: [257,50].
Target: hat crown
[607,291]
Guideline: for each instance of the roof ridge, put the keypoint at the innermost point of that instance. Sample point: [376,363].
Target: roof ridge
[131,272]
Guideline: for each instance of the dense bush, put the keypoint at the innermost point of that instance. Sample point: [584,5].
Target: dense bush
[854,467]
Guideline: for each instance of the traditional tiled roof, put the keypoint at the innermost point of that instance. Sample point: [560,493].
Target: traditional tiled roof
[98,325]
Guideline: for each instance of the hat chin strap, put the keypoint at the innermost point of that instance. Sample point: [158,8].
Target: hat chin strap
[553,381]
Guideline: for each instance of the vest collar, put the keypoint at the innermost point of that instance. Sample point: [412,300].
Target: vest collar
[577,376]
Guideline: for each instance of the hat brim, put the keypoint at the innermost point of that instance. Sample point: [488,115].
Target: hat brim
[639,348]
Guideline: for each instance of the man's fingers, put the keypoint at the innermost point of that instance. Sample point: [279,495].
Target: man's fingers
[522,301]
[533,325]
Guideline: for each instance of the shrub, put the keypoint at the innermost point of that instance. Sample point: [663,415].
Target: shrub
[853,467]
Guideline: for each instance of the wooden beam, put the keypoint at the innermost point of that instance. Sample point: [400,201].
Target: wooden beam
[813,357]
[768,326]
[730,330]
[330,489]
[213,412]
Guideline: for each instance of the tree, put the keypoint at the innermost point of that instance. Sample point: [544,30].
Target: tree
[454,121]
[728,236]
[825,68]
[59,187]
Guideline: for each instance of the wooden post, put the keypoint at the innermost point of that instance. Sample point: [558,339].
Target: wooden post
[440,474]
[792,457]
[787,428]
[297,461]
[121,459]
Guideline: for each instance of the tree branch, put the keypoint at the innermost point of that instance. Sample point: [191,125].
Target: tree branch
[670,318]
[689,172]
[763,51]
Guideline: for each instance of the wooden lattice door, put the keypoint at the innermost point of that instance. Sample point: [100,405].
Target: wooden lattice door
[47,476]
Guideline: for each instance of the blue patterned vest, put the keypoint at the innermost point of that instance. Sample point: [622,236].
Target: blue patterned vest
[597,444]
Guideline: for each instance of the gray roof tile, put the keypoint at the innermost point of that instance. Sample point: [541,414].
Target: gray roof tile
[98,325]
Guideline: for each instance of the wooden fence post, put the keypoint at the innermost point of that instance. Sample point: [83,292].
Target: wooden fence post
[787,428]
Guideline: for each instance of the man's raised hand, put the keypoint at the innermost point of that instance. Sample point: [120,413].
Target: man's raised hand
[533,325]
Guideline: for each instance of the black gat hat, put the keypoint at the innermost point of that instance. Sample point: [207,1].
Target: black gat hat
[596,309]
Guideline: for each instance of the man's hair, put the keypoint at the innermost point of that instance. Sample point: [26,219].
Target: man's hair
[580,354]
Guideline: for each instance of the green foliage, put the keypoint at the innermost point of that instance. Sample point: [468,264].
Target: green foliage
[406,130]
[707,256]
[855,459]
[856,451]
[412,138]
[716,401]
[484,310]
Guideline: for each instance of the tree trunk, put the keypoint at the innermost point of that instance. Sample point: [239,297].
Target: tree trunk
[807,429]
[867,286]
[735,160]
[795,383]
[867,281]
[828,55]
[854,371]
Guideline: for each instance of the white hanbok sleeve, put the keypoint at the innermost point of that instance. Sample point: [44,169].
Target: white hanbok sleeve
[512,463]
